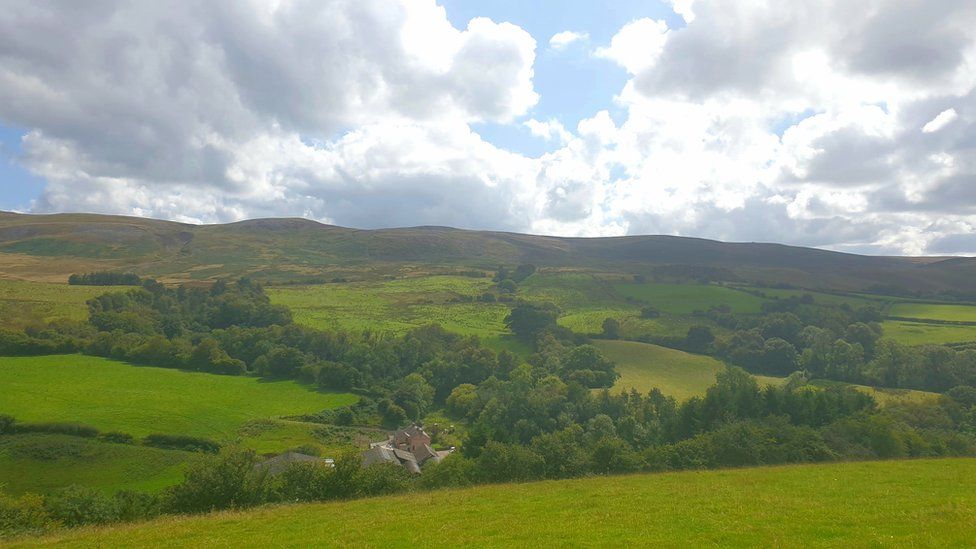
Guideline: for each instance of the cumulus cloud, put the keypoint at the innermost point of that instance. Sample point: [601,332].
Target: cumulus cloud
[562,40]
[550,130]
[636,46]
[941,120]
[840,124]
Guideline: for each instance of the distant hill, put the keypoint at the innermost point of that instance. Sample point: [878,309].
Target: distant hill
[887,503]
[50,247]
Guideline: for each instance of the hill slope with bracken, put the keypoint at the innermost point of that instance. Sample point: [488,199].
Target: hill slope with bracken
[896,503]
[50,247]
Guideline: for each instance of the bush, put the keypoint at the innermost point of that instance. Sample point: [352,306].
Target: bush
[230,481]
[6,424]
[384,478]
[454,470]
[308,481]
[25,515]
[117,438]
[182,442]
[79,505]
[133,506]
[70,429]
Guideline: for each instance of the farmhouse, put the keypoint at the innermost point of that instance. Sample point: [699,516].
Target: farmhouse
[408,447]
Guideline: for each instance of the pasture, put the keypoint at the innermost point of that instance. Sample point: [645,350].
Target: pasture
[24,303]
[139,400]
[273,436]
[935,311]
[929,503]
[921,333]
[585,300]
[42,463]
[685,299]
[676,373]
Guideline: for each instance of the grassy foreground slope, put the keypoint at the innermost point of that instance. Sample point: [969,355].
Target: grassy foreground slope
[895,503]
[139,400]
[643,366]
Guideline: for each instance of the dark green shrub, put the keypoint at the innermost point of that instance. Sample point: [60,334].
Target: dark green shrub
[79,505]
[230,481]
[6,424]
[25,515]
[182,442]
[116,437]
[70,429]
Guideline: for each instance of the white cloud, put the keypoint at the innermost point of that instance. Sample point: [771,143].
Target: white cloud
[550,130]
[795,122]
[636,46]
[684,8]
[562,40]
[941,120]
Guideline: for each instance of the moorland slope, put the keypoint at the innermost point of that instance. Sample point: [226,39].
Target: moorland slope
[50,247]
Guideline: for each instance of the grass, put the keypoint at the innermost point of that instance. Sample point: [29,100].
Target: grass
[643,367]
[24,303]
[932,311]
[687,298]
[819,297]
[399,305]
[920,333]
[114,396]
[273,436]
[43,463]
[884,395]
[929,503]
[586,300]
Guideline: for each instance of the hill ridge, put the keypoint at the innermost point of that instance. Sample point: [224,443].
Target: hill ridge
[293,247]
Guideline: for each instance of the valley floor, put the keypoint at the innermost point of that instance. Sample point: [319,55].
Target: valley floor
[923,503]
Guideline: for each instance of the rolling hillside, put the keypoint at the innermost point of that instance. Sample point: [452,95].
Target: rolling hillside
[49,247]
[896,503]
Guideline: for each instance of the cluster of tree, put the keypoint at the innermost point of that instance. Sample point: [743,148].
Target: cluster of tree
[507,281]
[105,278]
[834,342]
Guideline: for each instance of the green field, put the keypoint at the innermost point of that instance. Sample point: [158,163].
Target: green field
[585,301]
[927,503]
[932,311]
[399,305]
[885,395]
[24,303]
[921,333]
[688,298]
[272,436]
[114,396]
[643,367]
[43,463]
[822,298]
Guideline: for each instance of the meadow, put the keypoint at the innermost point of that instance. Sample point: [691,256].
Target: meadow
[24,303]
[935,311]
[643,366]
[688,298]
[921,333]
[585,300]
[928,503]
[140,400]
[43,463]
[272,436]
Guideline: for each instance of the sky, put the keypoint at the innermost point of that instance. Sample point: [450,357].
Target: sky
[842,124]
